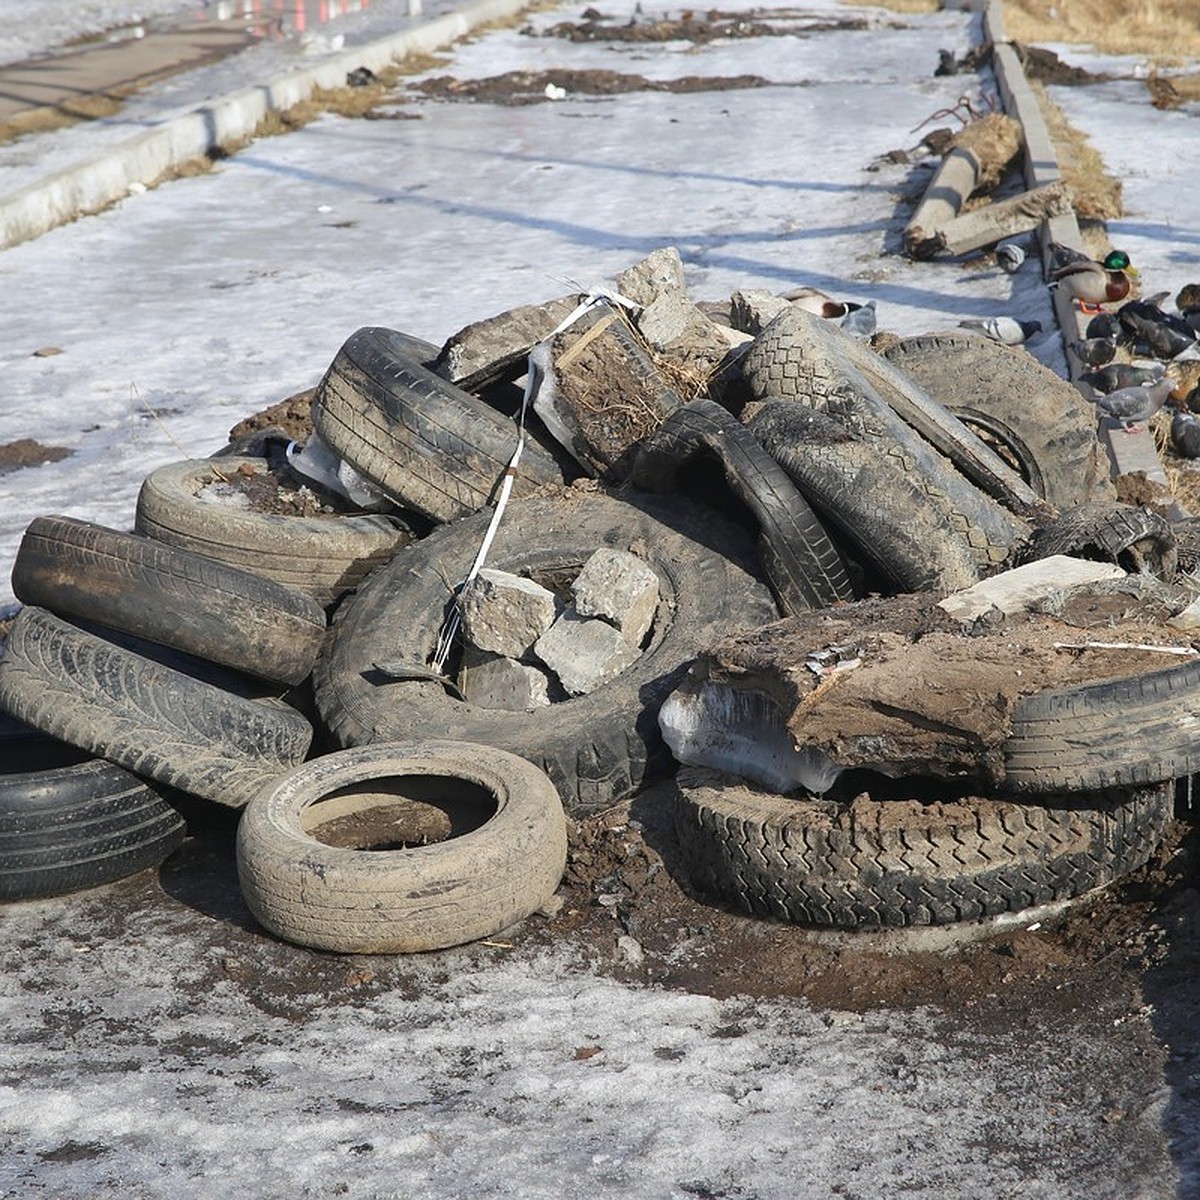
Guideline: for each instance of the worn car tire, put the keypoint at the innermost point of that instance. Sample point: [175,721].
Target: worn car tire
[167,595]
[424,442]
[323,556]
[151,719]
[597,748]
[502,867]
[1137,539]
[70,822]
[876,508]
[1034,418]
[872,863]
[801,562]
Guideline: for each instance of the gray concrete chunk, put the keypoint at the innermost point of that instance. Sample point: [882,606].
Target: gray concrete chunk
[753,310]
[506,613]
[584,652]
[493,681]
[1016,590]
[621,588]
[660,273]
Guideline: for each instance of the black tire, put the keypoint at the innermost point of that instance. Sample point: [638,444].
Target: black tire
[597,748]
[860,494]
[872,863]
[70,822]
[1034,418]
[323,556]
[148,718]
[794,358]
[171,596]
[803,565]
[1137,539]
[424,442]
[1116,733]
[503,853]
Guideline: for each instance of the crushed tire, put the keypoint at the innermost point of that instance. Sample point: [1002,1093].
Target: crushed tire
[597,748]
[167,595]
[151,719]
[323,556]
[69,822]
[1136,539]
[874,863]
[505,863]
[422,441]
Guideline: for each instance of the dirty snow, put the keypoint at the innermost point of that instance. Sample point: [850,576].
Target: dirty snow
[184,309]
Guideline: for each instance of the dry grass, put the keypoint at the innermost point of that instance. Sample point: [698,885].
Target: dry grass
[901,6]
[1165,30]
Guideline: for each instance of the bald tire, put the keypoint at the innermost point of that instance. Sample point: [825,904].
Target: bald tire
[900,862]
[324,556]
[1034,418]
[424,442]
[151,719]
[69,822]
[597,748]
[505,865]
[1137,539]
[171,596]
[805,568]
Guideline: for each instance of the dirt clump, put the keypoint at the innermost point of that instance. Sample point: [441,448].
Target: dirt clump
[28,452]
[535,87]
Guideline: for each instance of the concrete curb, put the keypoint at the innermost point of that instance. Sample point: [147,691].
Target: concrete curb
[1127,453]
[99,181]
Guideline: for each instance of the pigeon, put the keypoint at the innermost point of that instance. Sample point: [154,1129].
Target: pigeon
[1095,351]
[1008,330]
[860,322]
[1133,404]
[1010,256]
[1185,434]
[1120,375]
[1162,340]
[1103,325]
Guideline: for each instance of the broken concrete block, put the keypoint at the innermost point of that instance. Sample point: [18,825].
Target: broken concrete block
[601,391]
[584,652]
[1017,590]
[493,681]
[621,588]
[1188,618]
[506,613]
[753,310]
[496,349]
[684,337]
[660,273]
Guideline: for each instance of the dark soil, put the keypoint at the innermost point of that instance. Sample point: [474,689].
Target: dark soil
[272,490]
[709,26]
[26,452]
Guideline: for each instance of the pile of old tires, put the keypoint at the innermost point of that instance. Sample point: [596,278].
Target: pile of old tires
[284,665]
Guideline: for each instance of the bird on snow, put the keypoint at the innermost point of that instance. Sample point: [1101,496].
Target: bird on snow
[1133,404]
[1095,351]
[1095,283]
[860,322]
[814,301]
[1185,434]
[1120,375]
[1008,330]
[1010,256]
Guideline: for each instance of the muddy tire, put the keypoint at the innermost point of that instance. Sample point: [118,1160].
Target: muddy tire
[422,441]
[151,719]
[803,565]
[503,853]
[1035,419]
[796,359]
[597,748]
[872,506]
[167,595]
[322,556]
[901,862]
[70,822]
[1137,539]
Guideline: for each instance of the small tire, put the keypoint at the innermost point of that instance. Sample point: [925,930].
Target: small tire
[596,748]
[151,719]
[323,556]
[873,863]
[69,822]
[422,441]
[170,596]
[803,565]
[418,897]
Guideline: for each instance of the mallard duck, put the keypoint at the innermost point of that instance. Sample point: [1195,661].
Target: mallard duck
[1095,283]
[814,301]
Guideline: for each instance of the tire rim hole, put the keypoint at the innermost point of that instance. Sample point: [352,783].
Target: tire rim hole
[401,812]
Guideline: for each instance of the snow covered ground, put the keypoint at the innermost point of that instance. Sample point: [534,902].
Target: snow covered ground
[182,310]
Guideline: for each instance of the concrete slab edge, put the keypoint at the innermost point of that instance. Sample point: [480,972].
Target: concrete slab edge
[1128,453]
[96,182]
